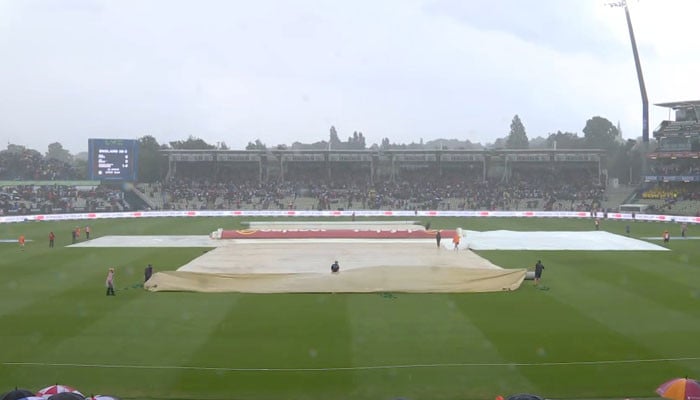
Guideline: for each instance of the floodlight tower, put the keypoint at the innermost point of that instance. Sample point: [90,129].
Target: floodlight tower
[642,87]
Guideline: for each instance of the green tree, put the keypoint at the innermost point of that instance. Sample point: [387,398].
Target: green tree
[500,143]
[334,139]
[356,141]
[257,145]
[565,140]
[517,138]
[152,163]
[538,143]
[18,162]
[361,141]
[625,162]
[599,133]
[192,143]
[385,144]
[16,148]
[57,152]
[80,168]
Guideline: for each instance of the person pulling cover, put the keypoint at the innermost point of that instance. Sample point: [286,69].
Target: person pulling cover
[538,271]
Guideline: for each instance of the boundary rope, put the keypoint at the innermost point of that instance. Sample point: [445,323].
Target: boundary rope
[356,368]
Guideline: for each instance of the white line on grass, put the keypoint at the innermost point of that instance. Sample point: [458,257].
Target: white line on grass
[357,368]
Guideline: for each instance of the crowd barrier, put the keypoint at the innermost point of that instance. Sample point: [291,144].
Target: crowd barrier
[356,213]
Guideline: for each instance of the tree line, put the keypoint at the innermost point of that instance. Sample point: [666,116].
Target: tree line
[598,133]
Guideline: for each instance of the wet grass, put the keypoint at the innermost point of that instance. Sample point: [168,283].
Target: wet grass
[610,325]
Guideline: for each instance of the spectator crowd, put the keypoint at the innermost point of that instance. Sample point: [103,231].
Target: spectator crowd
[34,199]
[574,189]
[344,187]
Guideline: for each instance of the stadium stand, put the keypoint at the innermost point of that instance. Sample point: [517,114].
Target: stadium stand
[34,198]
[673,183]
[547,179]
[369,179]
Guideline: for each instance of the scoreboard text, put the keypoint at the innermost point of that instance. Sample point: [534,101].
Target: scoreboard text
[112,159]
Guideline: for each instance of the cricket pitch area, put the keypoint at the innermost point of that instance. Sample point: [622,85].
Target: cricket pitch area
[276,257]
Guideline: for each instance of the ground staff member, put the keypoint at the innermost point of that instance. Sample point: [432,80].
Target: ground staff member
[539,267]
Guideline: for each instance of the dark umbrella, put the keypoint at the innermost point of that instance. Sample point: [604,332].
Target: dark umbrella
[67,396]
[101,397]
[16,394]
[524,396]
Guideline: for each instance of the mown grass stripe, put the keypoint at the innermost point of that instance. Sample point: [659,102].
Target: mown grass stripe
[412,337]
[144,327]
[534,325]
[660,322]
[280,330]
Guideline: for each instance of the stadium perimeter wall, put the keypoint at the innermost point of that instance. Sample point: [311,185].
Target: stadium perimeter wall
[357,213]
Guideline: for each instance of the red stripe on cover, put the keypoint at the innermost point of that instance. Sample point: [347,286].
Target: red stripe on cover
[332,234]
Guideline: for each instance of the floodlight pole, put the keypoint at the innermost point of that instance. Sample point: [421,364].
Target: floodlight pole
[642,87]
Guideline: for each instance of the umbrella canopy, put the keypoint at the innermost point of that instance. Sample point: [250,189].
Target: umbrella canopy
[524,396]
[680,389]
[55,389]
[67,396]
[16,394]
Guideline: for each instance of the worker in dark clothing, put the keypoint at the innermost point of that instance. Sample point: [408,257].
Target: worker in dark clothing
[148,272]
[539,267]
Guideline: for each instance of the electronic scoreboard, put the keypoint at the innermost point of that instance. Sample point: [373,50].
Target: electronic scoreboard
[113,159]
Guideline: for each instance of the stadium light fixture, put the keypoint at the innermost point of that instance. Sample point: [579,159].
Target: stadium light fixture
[618,4]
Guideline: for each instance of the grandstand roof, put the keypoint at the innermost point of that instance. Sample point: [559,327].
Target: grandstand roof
[388,151]
[680,104]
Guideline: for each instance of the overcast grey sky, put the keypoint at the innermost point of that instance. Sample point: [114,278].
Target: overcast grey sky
[285,71]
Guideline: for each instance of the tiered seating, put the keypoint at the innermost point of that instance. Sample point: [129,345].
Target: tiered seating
[34,199]
[672,128]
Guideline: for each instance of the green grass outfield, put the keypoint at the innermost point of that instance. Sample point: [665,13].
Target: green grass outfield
[611,325]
